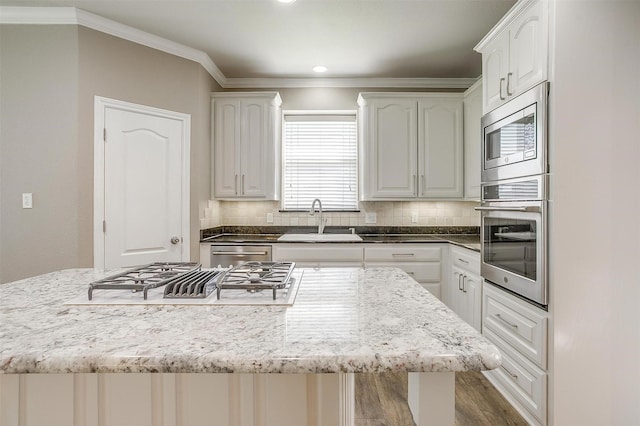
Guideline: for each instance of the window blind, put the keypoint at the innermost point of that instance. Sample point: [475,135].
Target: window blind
[320,161]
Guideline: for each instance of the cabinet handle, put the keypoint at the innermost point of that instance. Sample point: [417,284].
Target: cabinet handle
[424,184]
[463,261]
[402,254]
[235,185]
[410,273]
[501,97]
[464,283]
[506,322]
[415,184]
[515,376]
[509,83]
[459,284]
[242,184]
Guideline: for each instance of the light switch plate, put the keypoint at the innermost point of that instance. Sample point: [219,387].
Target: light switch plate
[269,217]
[414,217]
[27,200]
[370,217]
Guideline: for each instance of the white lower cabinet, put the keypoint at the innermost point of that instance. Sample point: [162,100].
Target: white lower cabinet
[464,295]
[423,262]
[519,330]
[309,255]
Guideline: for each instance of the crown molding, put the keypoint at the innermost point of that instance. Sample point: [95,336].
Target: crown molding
[412,83]
[500,26]
[75,16]
[475,85]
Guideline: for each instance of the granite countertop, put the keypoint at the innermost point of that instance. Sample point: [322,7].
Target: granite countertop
[369,320]
[369,235]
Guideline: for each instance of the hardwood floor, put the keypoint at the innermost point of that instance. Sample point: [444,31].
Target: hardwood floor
[381,400]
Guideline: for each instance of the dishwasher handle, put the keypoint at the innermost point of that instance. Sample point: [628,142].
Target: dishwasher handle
[241,253]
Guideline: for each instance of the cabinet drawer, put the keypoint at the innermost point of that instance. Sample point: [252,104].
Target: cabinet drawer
[424,272]
[402,253]
[520,379]
[318,253]
[466,259]
[520,325]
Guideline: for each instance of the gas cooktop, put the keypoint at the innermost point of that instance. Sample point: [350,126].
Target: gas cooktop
[250,283]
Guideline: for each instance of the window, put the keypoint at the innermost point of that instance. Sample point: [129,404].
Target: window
[320,161]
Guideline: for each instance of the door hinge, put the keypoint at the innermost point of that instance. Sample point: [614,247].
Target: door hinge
[104,226]
[104,134]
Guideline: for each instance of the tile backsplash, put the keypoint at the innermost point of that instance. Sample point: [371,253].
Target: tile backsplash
[388,213]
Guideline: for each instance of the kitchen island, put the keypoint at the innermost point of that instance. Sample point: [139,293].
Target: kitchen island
[228,365]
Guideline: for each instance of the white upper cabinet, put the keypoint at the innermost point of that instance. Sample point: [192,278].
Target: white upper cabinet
[440,148]
[410,146]
[514,53]
[389,143]
[246,132]
[472,141]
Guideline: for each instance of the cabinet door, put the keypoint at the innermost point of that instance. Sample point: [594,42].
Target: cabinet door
[527,50]
[472,142]
[255,147]
[226,137]
[390,145]
[495,66]
[472,295]
[440,145]
[455,301]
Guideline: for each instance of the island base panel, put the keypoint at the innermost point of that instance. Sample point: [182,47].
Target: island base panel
[176,399]
[203,399]
[432,398]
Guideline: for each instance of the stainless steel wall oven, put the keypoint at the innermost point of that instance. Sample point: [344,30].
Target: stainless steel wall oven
[513,236]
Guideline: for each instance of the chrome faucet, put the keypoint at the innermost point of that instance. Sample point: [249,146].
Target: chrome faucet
[312,212]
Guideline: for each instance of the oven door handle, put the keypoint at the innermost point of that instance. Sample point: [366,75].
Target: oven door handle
[533,209]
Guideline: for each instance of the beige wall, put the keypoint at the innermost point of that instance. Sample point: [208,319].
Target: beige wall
[331,98]
[50,75]
[115,68]
[595,226]
[38,149]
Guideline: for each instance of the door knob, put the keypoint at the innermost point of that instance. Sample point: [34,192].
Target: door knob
[175,240]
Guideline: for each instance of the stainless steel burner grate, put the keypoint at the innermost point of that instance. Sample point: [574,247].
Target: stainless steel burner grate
[256,276]
[144,277]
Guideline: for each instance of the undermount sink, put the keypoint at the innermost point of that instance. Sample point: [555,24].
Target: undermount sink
[340,238]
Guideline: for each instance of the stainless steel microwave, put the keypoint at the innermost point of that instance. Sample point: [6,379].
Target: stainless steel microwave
[515,137]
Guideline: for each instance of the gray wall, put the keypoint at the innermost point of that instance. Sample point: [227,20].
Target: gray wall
[50,75]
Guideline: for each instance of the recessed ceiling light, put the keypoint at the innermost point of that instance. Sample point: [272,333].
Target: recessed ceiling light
[319,68]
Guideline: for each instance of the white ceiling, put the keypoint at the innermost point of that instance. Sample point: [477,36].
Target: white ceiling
[353,38]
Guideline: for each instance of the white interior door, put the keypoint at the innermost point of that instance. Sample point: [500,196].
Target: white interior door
[145,187]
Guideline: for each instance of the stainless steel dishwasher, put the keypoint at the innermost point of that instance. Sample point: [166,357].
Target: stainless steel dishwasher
[231,255]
